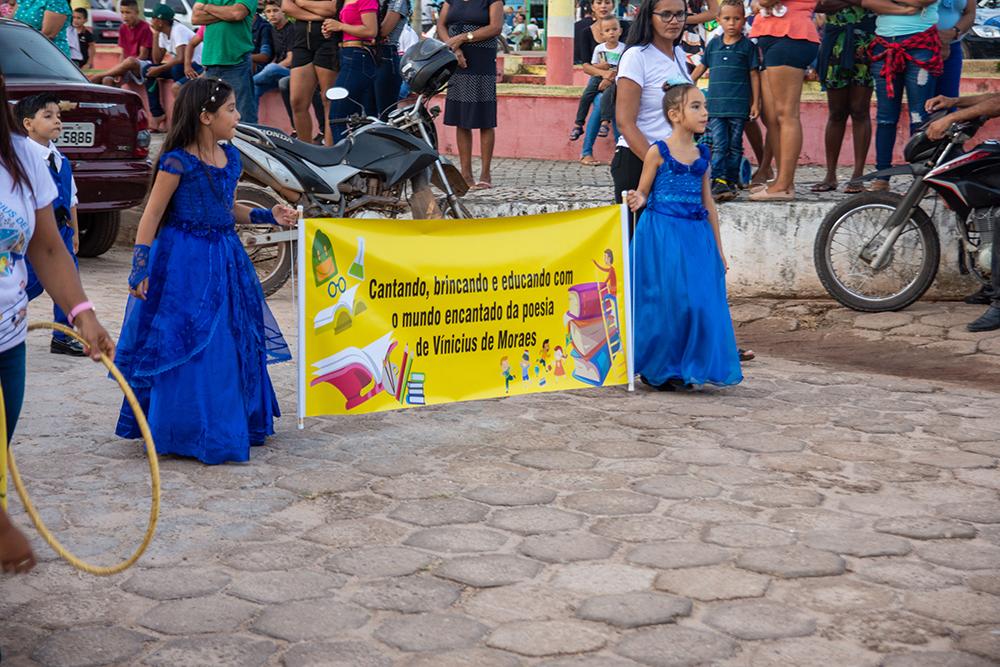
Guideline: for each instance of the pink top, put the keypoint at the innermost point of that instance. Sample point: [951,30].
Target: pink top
[797,23]
[351,15]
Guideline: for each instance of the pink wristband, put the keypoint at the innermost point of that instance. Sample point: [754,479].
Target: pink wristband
[77,309]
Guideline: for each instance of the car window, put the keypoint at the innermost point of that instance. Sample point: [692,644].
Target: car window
[26,54]
[177,6]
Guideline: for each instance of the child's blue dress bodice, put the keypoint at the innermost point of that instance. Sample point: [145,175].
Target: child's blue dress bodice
[677,188]
[202,204]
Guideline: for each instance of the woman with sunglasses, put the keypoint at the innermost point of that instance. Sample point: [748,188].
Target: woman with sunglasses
[653,57]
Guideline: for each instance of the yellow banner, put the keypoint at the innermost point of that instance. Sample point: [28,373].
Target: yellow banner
[400,313]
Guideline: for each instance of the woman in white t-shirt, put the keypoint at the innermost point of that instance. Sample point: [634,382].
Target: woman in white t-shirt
[653,58]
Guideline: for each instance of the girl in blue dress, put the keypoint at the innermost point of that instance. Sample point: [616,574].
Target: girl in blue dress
[684,334]
[197,334]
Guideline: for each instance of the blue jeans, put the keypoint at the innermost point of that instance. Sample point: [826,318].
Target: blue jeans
[919,87]
[727,148]
[594,126]
[951,77]
[357,75]
[12,382]
[240,77]
[176,73]
[267,79]
[388,80]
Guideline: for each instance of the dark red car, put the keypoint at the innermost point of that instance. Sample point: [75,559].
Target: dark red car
[105,136]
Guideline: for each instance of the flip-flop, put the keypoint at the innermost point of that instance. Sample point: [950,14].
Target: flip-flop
[747,355]
[854,188]
[603,131]
[764,195]
[823,187]
[482,185]
[590,161]
[576,132]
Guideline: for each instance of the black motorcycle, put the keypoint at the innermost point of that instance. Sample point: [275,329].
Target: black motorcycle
[381,169]
[880,251]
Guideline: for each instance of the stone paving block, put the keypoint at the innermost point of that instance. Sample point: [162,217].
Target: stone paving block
[708,456]
[439,511]
[675,646]
[854,451]
[987,582]
[640,528]
[520,602]
[601,578]
[84,647]
[310,619]
[815,518]
[535,520]
[613,503]
[321,482]
[585,480]
[712,511]
[778,496]
[274,556]
[457,539]
[988,478]
[278,587]
[511,495]
[394,466]
[799,462]
[960,555]
[218,613]
[925,528]
[379,561]
[985,643]
[430,632]
[228,649]
[759,619]
[487,571]
[554,459]
[946,459]
[765,444]
[747,535]
[976,512]
[791,562]
[631,610]
[859,543]
[811,652]
[567,547]
[542,638]
[472,657]
[677,487]
[905,574]
[416,488]
[600,659]
[987,448]
[621,449]
[334,654]
[935,659]
[360,532]
[961,607]
[832,595]
[713,583]
[670,555]
[409,595]
[176,583]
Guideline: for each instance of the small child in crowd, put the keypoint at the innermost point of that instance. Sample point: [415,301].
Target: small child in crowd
[85,37]
[733,96]
[602,68]
[40,116]
[198,334]
[684,333]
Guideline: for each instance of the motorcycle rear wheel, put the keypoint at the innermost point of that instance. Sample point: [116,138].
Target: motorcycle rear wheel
[273,262]
[852,232]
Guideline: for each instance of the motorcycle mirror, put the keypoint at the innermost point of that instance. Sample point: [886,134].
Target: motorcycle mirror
[337,93]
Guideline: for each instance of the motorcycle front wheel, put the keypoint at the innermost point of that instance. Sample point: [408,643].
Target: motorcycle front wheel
[849,238]
[273,262]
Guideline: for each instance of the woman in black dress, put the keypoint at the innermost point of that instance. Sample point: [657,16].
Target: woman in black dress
[470,29]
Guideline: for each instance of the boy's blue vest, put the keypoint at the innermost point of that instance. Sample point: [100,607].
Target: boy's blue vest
[63,178]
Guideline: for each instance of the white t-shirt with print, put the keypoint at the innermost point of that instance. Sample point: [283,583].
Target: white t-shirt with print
[602,54]
[17,224]
[179,35]
[651,68]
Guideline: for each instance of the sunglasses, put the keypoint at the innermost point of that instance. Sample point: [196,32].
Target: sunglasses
[667,17]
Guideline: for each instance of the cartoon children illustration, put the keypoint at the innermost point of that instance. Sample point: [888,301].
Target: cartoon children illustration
[557,363]
[542,364]
[611,284]
[525,365]
[505,372]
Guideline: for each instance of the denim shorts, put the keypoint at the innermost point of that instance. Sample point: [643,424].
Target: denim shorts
[312,48]
[786,52]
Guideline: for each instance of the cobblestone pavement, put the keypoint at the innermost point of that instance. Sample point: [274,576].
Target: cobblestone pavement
[807,517]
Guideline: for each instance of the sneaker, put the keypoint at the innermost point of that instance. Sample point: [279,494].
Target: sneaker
[721,191]
[71,348]
[576,132]
[981,298]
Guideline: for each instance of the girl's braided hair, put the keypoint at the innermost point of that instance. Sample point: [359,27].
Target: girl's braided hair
[674,96]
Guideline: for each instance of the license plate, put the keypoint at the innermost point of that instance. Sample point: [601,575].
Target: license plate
[76,134]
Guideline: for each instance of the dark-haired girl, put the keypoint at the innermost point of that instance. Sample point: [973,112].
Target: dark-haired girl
[197,333]
[684,333]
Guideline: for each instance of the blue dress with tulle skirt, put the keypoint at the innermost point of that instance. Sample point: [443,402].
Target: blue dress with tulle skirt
[683,330]
[196,350]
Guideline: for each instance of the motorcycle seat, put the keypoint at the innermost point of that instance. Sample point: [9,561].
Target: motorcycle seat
[321,156]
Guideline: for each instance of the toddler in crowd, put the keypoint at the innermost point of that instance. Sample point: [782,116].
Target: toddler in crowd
[733,96]
[40,116]
[602,68]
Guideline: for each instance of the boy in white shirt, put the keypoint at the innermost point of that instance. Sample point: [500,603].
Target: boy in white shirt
[170,41]
[602,68]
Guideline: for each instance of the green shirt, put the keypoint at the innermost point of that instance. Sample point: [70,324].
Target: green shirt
[229,42]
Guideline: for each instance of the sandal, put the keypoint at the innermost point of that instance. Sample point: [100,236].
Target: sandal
[878,186]
[854,187]
[605,130]
[824,186]
[766,195]
[590,161]
[482,185]
[747,355]
[576,132]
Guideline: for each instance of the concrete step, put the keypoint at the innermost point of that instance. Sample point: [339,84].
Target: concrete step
[531,79]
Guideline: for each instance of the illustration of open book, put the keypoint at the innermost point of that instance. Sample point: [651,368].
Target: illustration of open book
[341,314]
[356,372]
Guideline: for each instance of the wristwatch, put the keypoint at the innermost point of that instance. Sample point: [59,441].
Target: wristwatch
[469,36]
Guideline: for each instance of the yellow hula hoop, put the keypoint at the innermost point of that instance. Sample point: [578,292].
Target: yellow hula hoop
[154,471]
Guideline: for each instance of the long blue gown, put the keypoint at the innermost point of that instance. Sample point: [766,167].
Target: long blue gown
[196,350]
[683,330]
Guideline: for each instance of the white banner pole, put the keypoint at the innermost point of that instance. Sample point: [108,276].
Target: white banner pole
[299,290]
[627,265]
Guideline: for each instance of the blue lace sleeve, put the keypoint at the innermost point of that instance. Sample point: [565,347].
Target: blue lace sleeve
[233,162]
[173,163]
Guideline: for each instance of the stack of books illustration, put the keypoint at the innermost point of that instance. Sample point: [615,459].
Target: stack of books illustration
[415,389]
[358,373]
[592,320]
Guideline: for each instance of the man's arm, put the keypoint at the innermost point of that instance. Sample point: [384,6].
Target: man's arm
[987,108]
[888,7]
[323,8]
[199,15]
[230,13]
